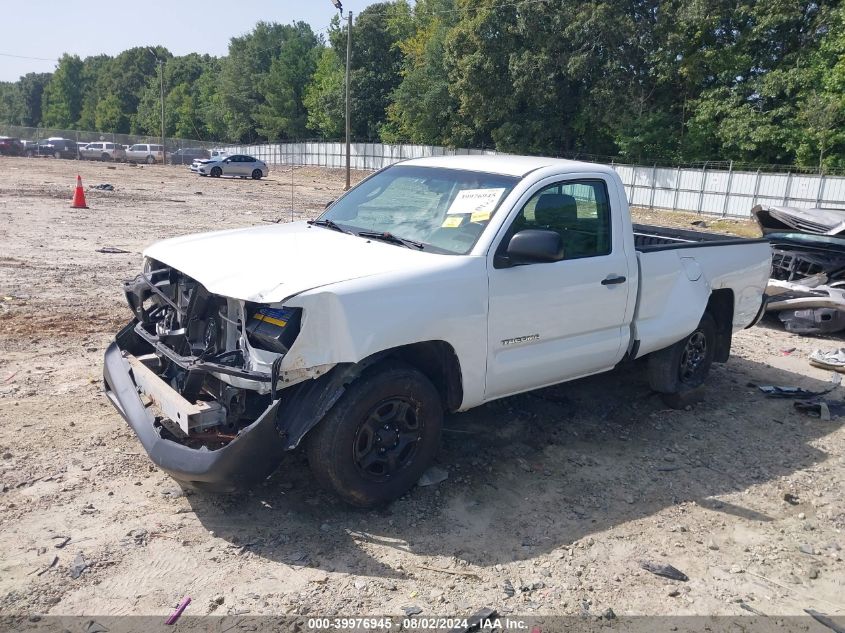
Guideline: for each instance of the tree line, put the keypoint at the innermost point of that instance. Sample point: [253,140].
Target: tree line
[757,81]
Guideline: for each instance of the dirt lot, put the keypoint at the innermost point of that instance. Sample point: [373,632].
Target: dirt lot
[559,493]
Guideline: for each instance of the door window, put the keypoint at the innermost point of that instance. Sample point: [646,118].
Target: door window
[578,210]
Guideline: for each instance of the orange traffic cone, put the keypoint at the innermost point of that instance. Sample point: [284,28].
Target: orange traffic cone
[79,196]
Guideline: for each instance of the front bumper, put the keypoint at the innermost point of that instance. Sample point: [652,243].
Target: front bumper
[249,458]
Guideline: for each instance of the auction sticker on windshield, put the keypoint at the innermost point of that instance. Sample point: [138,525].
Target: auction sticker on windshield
[475,201]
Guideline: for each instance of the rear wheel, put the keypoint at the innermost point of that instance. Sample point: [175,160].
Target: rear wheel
[216,172]
[379,438]
[150,160]
[256,174]
[105,157]
[678,371]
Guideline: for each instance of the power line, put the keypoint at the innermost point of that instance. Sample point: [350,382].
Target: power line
[41,59]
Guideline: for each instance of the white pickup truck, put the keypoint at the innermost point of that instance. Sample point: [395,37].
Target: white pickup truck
[434,285]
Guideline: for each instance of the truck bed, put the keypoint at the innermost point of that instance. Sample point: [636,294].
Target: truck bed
[649,238]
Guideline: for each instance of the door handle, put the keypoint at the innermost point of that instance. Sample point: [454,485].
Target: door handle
[612,280]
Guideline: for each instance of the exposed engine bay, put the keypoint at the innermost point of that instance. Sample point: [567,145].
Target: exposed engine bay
[220,356]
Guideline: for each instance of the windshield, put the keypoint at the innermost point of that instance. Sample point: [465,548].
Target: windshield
[446,210]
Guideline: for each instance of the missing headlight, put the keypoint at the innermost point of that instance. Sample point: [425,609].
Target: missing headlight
[273,329]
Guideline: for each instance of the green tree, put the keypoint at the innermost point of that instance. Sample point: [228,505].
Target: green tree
[283,113]
[324,98]
[109,115]
[422,110]
[62,96]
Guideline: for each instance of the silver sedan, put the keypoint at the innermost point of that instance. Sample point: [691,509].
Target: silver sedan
[237,166]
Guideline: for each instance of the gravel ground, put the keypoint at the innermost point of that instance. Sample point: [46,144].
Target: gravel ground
[552,501]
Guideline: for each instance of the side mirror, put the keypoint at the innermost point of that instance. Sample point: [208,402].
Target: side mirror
[535,246]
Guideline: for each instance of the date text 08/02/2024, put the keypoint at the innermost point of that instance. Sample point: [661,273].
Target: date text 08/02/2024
[412,624]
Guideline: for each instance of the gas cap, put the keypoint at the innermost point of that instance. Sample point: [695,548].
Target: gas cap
[692,268]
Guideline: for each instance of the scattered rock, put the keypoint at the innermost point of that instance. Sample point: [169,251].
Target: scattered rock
[804,548]
[409,611]
[666,571]
[791,499]
[608,614]
[507,587]
[433,476]
[78,566]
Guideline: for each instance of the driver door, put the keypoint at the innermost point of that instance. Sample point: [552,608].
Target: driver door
[554,321]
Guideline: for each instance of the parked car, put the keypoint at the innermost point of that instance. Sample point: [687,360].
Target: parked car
[145,153]
[187,155]
[10,146]
[215,154]
[57,147]
[28,147]
[437,284]
[103,151]
[238,166]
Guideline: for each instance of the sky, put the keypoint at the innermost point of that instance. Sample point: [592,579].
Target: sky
[48,28]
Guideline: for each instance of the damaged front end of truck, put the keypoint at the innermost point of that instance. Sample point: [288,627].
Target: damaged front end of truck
[202,380]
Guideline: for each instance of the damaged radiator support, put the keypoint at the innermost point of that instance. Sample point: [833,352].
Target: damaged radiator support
[188,416]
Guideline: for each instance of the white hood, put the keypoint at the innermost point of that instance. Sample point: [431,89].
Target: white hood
[268,264]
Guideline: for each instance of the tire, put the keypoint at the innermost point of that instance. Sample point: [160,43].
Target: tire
[678,371]
[150,160]
[378,439]
[57,155]
[216,172]
[256,174]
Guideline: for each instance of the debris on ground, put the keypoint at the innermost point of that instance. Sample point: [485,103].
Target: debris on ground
[78,566]
[179,610]
[791,499]
[433,476]
[103,187]
[823,409]
[409,611]
[666,571]
[112,250]
[833,360]
[507,587]
[824,620]
[49,567]
[62,541]
[789,391]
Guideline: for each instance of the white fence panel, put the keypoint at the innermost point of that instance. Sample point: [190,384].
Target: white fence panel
[699,190]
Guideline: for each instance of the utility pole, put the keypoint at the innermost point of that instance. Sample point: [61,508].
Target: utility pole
[163,147]
[348,58]
[161,77]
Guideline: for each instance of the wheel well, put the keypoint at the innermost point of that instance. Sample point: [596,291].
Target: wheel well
[438,361]
[721,308]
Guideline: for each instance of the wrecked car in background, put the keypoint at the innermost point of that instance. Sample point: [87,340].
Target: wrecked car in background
[436,284]
[808,267]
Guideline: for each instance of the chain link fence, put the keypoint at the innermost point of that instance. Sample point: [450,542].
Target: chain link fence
[82,138]
[713,188]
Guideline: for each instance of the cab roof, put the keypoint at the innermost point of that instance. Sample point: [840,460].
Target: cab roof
[504,164]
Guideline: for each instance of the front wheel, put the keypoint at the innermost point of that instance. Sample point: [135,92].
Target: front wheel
[677,371]
[379,438]
[57,155]
[256,174]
